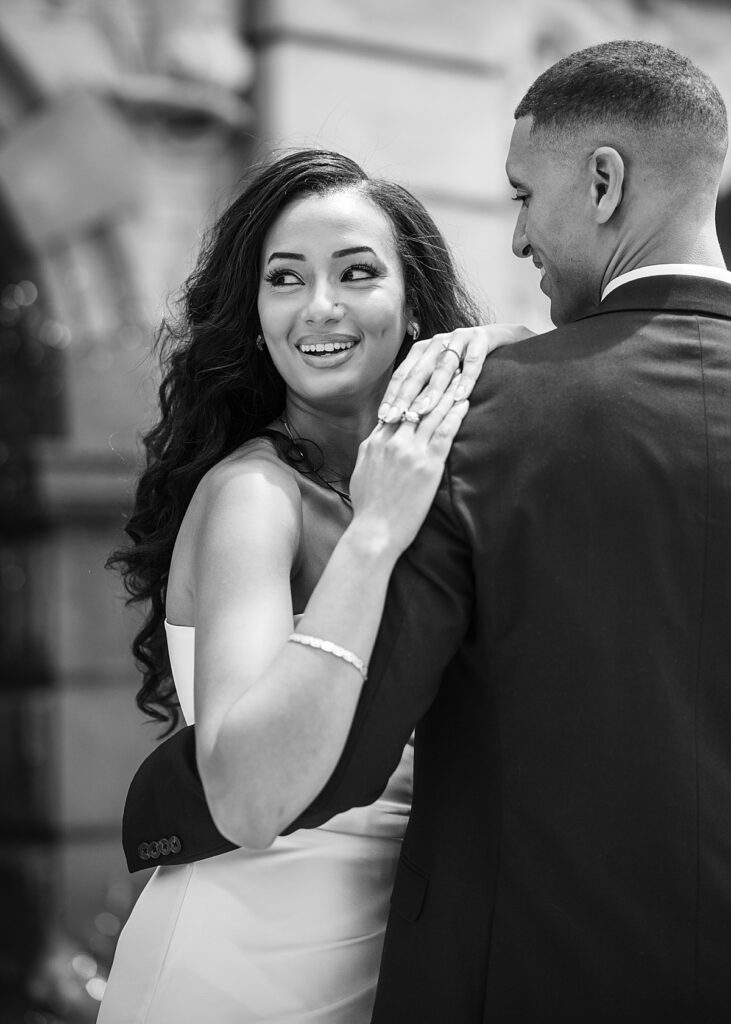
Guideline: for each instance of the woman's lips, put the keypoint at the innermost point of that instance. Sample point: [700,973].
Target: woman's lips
[316,347]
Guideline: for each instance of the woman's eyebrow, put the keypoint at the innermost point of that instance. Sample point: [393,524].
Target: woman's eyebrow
[336,255]
[349,252]
[285,256]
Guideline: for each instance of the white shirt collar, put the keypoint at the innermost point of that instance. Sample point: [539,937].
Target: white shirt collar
[662,269]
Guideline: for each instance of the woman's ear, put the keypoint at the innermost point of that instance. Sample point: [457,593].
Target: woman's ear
[411,306]
[412,315]
[606,167]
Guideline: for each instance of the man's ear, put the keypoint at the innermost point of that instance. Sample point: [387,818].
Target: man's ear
[606,167]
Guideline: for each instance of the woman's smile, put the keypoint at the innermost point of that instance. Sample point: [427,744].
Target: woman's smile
[326,350]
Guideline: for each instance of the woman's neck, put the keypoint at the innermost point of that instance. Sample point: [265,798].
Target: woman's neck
[336,432]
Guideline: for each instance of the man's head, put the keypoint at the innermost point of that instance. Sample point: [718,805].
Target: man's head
[615,158]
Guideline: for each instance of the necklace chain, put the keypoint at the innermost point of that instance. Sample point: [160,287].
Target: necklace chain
[343,495]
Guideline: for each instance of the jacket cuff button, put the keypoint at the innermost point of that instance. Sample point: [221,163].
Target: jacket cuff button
[143,851]
[175,845]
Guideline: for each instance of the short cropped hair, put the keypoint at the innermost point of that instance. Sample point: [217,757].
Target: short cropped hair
[627,82]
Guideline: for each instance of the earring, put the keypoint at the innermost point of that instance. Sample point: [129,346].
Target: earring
[414,329]
[259,342]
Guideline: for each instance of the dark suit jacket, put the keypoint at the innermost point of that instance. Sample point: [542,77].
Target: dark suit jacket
[561,631]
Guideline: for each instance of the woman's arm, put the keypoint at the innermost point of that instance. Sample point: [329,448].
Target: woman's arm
[272,717]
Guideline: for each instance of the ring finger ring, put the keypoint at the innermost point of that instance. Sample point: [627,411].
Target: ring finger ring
[410,417]
[448,348]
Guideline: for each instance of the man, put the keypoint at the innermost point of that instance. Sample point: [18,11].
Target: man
[560,628]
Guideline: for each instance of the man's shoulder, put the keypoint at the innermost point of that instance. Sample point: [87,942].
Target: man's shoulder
[528,386]
[584,345]
[510,369]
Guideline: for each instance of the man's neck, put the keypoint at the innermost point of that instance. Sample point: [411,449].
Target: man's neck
[702,250]
[674,246]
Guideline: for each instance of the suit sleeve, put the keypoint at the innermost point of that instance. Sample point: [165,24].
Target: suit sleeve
[166,818]
[427,613]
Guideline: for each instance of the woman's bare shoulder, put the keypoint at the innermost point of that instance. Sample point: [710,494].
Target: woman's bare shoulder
[246,490]
[255,467]
[248,498]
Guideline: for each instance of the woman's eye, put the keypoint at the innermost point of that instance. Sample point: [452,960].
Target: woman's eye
[360,272]
[282,278]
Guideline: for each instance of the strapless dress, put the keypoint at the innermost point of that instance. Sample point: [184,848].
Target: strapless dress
[289,934]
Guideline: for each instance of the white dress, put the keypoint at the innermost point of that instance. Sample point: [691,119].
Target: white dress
[289,934]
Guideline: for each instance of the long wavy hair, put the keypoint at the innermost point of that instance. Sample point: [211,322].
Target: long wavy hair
[219,390]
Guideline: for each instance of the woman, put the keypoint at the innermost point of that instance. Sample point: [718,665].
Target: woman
[266,496]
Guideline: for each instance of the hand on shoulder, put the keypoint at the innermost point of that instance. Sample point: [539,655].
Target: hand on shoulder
[434,363]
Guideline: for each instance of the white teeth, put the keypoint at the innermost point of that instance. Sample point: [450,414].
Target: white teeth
[326,346]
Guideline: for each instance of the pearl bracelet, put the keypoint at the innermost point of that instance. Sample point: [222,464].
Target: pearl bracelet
[330,648]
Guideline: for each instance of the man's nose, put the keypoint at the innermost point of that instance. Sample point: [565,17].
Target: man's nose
[521,245]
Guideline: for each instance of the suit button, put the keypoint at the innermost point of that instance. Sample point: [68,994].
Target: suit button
[143,851]
[154,849]
[175,845]
[164,847]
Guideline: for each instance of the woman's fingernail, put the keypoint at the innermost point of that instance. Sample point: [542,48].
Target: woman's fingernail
[461,392]
[383,411]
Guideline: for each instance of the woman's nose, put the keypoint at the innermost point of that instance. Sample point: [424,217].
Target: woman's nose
[323,304]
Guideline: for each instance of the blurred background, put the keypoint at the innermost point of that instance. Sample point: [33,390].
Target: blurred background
[124,126]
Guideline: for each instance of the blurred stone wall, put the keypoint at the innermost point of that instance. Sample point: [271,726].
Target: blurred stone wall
[121,126]
[124,124]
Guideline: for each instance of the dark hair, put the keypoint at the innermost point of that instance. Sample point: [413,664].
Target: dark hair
[630,82]
[218,390]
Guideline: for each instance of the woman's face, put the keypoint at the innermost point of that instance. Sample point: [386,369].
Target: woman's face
[332,301]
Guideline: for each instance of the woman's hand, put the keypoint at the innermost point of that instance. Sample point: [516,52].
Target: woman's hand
[399,469]
[433,363]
